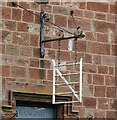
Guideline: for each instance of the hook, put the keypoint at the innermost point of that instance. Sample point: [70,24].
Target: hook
[46,17]
[90,117]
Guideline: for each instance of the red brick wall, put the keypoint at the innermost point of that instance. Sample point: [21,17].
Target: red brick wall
[23,70]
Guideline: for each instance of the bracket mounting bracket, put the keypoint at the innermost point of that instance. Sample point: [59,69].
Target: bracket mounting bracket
[42,17]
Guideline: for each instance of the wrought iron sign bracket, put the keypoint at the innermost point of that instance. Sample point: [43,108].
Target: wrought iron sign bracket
[44,17]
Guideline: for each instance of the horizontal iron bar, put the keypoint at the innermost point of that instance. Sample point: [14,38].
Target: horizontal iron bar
[65,102]
[65,38]
[67,64]
[68,74]
[63,93]
[69,83]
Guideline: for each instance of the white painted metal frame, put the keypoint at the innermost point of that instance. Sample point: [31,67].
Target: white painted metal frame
[56,72]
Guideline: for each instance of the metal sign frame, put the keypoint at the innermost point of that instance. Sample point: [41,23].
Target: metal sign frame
[56,72]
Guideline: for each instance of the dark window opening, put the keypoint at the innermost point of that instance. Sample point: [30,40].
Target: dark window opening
[34,110]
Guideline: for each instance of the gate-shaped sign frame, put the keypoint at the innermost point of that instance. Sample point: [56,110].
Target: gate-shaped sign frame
[56,72]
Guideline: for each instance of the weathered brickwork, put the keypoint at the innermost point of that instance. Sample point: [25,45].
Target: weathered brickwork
[23,70]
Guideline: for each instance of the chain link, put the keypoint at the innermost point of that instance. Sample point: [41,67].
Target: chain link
[59,46]
[76,50]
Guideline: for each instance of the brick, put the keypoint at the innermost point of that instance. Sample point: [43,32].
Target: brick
[111,18]
[78,13]
[63,45]
[37,73]
[114,50]
[2,49]
[110,80]
[85,24]
[10,79]
[35,6]
[102,37]
[50,54]
[111,70]
[89,78]
[111,114]
[104,27]
[90,36]
[98,79]
[108,60]
[113,9]
[50,75]
[60,10]
[112,38]
[6,71]
[26,51]
[22,61]
[73,78]
[100,114]
[88,58]
[34,40]
[10,4]
[45,64]
[90,68]
[82,5]
[98,48]
[10,25]
[21,38]
[34,62]
[6,36]
[27,17]
[36,18]
[81,46]
[103,103]
[12,50]
[100,16]
[23,27]
[25,5]
[16,14]
[34,73]
[18,71]
[113,104]
[89,14]
[103,69]
[89,102]
[47,7]
[60,20]
[8,60]
[49,44]
[36,52]
[64,55]
[96,6]
[6,13]
[111,92]
[55,2]
[100,91]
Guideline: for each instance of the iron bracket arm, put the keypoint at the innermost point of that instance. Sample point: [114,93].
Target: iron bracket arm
[64,38]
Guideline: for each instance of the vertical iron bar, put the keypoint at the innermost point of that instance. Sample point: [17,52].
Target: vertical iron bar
[81,66]
[42,34]
[54,73]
